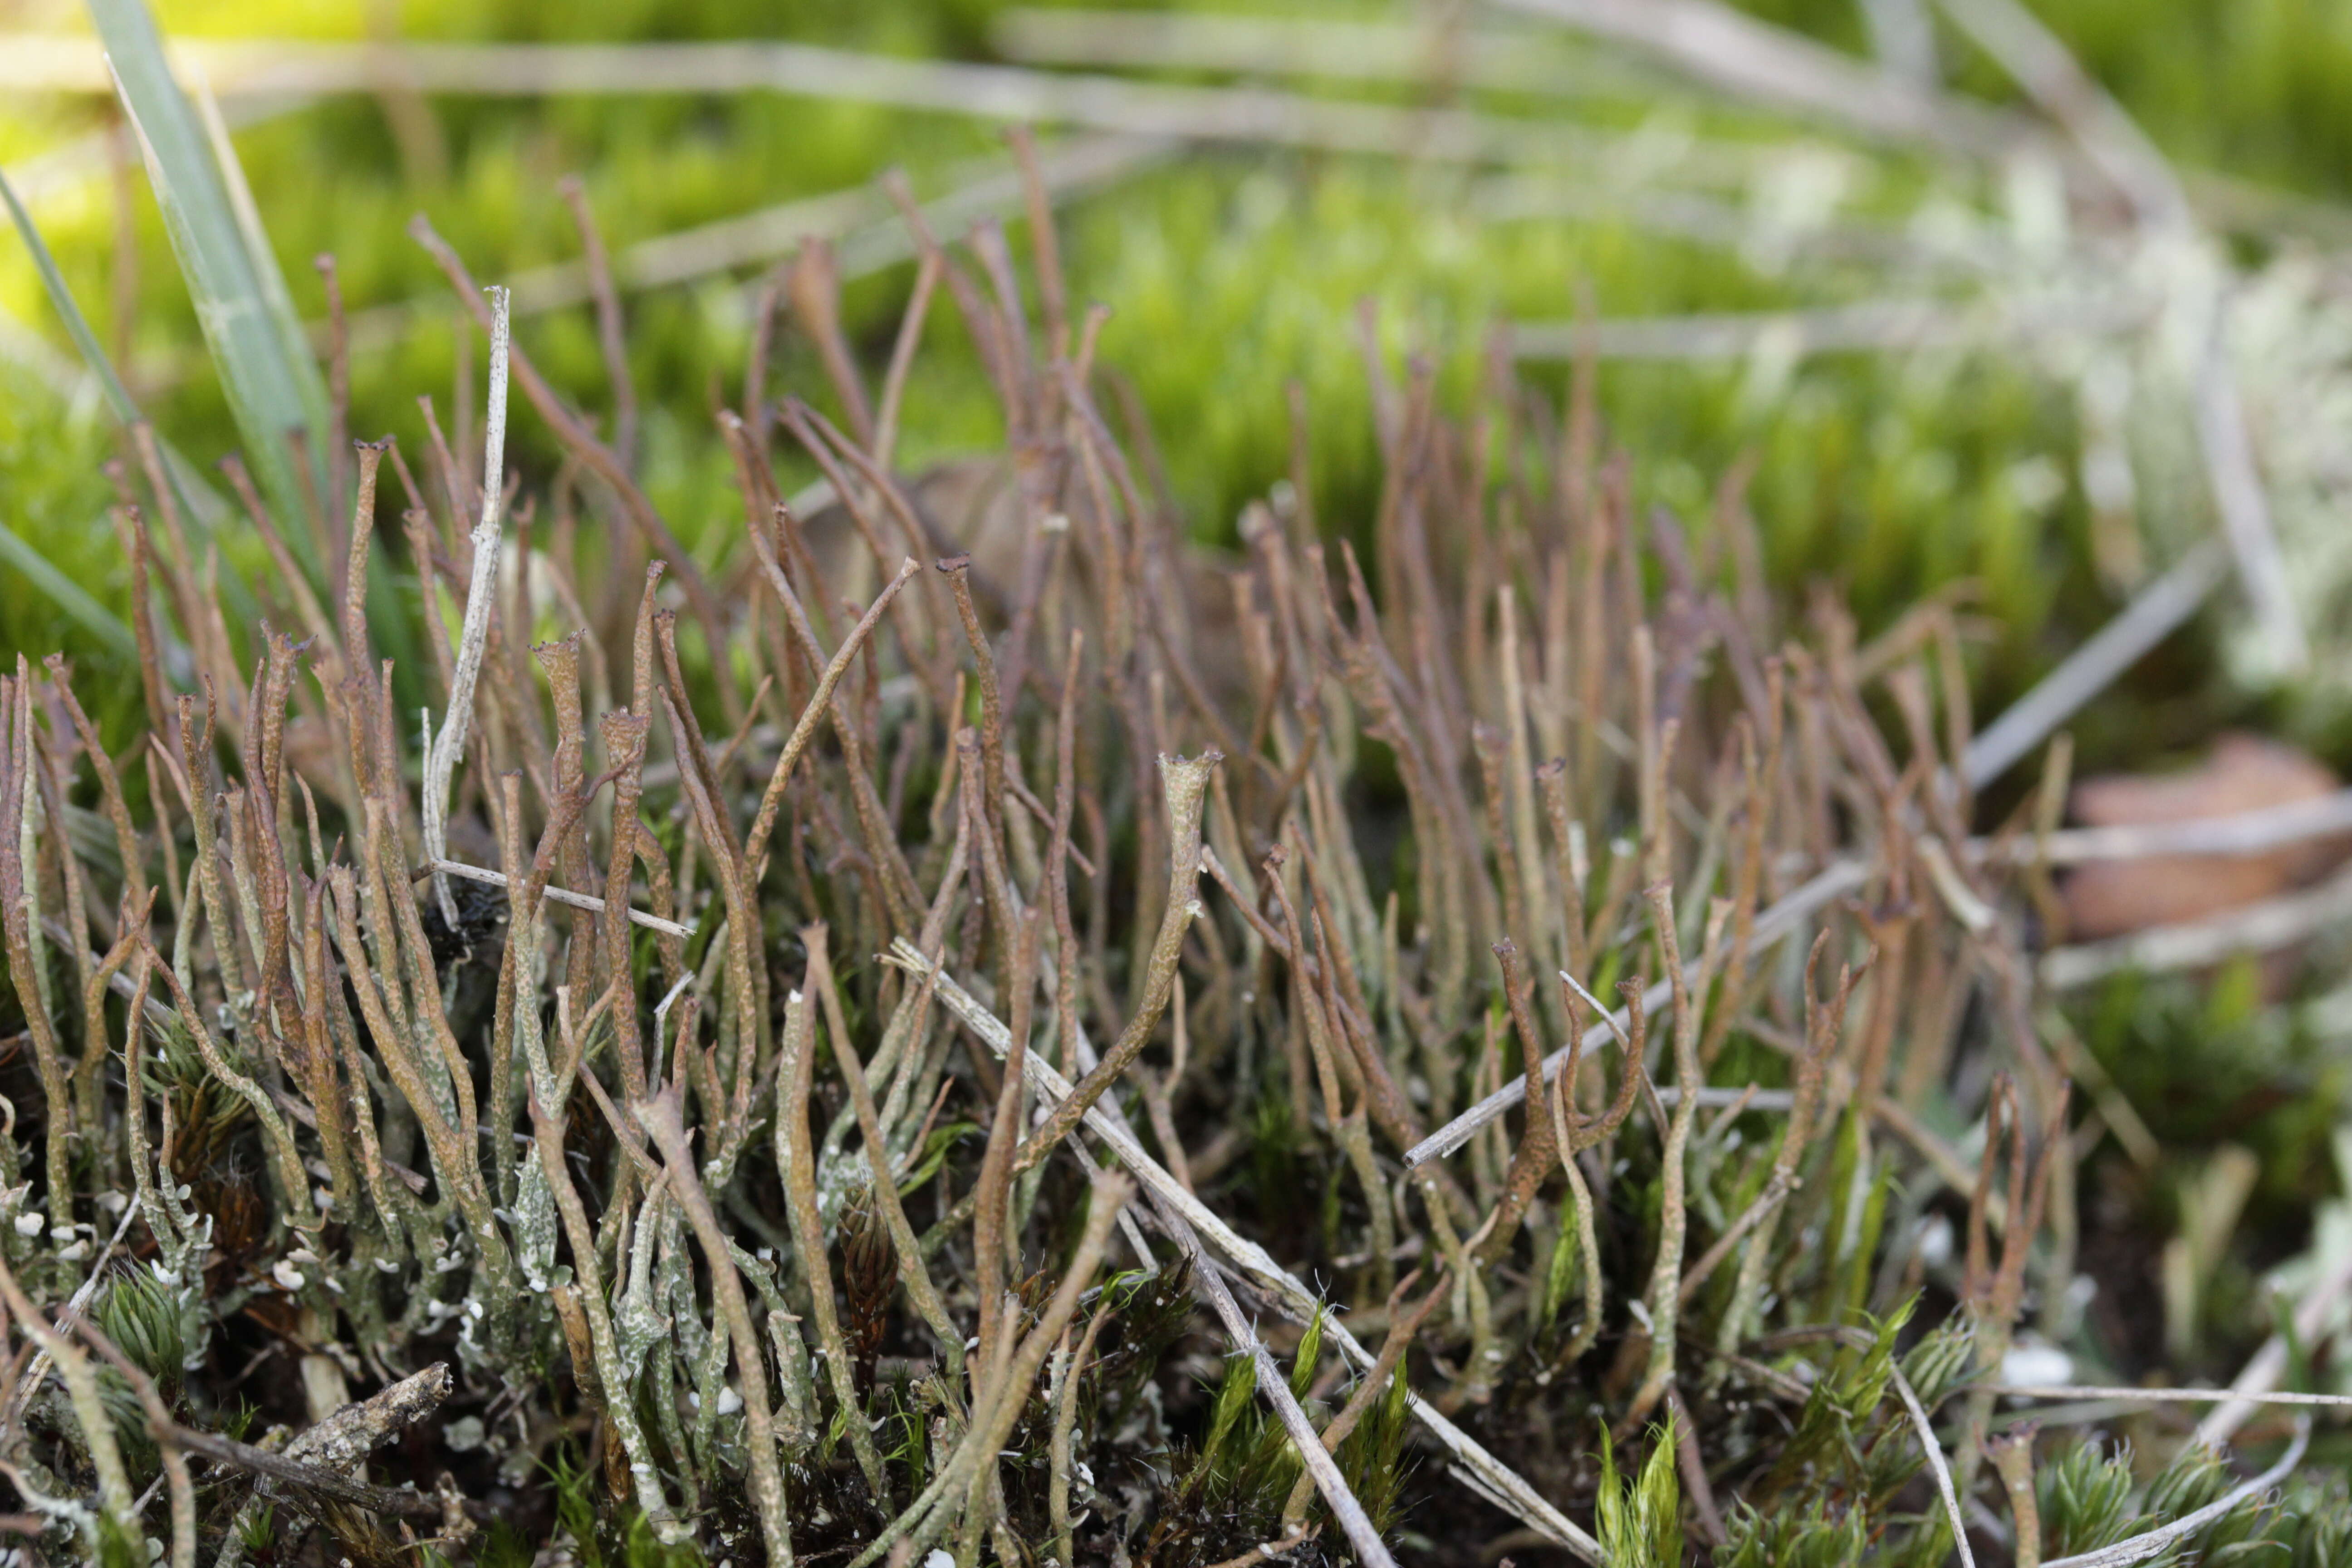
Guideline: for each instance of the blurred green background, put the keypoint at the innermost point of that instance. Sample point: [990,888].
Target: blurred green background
[1231,273]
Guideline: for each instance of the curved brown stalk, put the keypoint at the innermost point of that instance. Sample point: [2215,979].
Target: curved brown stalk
[1186,782]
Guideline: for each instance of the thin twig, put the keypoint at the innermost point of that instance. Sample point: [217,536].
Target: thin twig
[1871,326]
[2140,1548]
[2152,616]
[2238,833]
[481,598]
[588,902]
[1934,1452]
[320,1480]
[999,92]
[2161,1395]
[1728,49]
[1497,60]
[867,236]
[2240,497]
[1270,1550]
[2192,944]
[1275,1389]
[2091,118]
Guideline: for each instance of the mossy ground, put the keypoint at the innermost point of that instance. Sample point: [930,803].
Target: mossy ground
[1232,276]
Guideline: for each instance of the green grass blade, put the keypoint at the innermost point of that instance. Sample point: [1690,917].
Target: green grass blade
[198,500]
[270,390]
[117,397]
[384,602]
[68,594]
[288,321]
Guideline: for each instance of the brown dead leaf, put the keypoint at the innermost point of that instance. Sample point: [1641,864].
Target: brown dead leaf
[2243,773]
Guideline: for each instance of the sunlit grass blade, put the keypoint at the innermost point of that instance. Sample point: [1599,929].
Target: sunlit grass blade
[199,499]
[288,321]
[383,599]
[271,389]
[66,593]
[199,502]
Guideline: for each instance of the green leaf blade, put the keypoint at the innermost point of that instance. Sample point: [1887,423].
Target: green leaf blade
[272,391]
